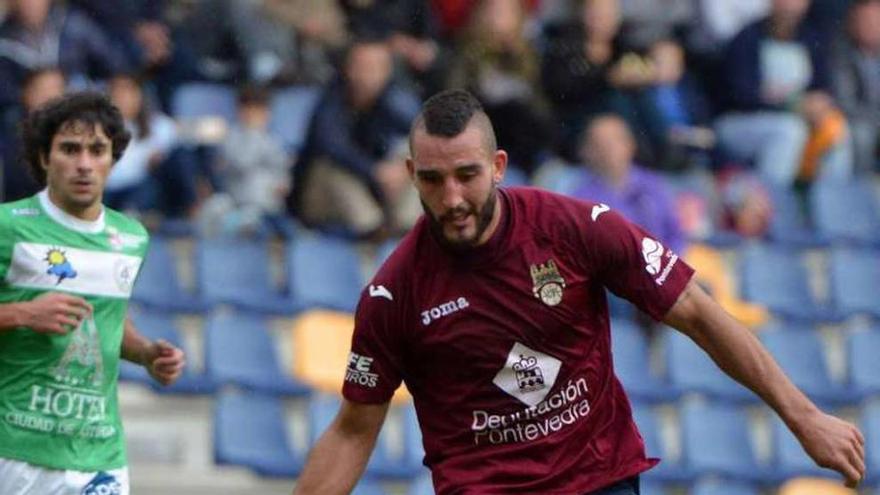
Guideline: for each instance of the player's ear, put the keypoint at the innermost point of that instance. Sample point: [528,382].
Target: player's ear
[411,168]
[500,166]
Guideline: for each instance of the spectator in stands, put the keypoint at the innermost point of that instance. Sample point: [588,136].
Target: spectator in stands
[856,79]
[137,25]
[255,172]
[289,41]
[612,177]
[346,175]
[132,182]
[680,107]
[42,33]
[499,66]
[588,70]
[39,87]
[412,30]
[151,43]
[716,23]
[771,67]
[645,22]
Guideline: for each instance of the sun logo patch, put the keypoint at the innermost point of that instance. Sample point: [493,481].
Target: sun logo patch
[59,265]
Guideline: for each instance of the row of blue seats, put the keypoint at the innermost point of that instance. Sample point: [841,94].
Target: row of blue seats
[798,349]
[320,272]
[251,430]
[239,350]
[831,213]
[323,271]
[779,279]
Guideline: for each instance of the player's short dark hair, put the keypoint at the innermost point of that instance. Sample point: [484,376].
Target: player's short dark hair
[449,112]
[90,108]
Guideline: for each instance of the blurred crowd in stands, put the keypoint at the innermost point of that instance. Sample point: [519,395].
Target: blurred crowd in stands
[684,114]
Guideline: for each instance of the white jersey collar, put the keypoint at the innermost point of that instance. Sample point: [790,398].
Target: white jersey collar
[68,220]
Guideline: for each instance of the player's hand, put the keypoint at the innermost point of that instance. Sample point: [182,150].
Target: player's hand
[54,313]
[835,444]
[164,362]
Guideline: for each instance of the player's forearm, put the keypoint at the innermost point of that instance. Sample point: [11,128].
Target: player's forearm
[335,463]
[742,356]
[134,345]
[11,316]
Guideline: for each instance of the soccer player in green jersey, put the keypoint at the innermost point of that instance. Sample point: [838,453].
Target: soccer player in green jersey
[67,267]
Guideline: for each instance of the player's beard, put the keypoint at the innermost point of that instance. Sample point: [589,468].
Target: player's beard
[483,215]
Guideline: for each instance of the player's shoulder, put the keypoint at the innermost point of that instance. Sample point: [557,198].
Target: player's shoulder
[19,210]
[130,231]
[550,211]
[394,278]
[124,223]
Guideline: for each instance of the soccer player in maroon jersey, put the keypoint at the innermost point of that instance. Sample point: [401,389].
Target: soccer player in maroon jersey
[493,311]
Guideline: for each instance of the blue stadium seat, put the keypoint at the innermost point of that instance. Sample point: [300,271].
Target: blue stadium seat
[651,487]
[239,350]
[632,363]
[791,223]
[559,178]
[777,278]
[158,285]
[390,460]
[236,272]
[514,177]
[855,281]
[863,366]
[423,485]
[716,441]
[157,326]
[800,353]
[368,487]
[690,369]
[198,99]
[250,430]
[847,212]
[667,470]
[723,487]
[871,430]
[291,111]
[789,457]
[324,272]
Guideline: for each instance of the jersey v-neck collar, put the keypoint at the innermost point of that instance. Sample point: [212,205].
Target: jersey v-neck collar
[71,222]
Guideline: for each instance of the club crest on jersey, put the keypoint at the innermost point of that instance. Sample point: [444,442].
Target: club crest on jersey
[529,376]
[548,282]
[59,265]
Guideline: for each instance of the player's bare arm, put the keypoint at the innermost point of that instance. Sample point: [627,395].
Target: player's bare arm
[52,312]
[831,442]
[163,361]
[341,454]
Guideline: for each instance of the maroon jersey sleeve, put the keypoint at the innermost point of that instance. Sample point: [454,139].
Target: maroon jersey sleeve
[632,263]
[373,372]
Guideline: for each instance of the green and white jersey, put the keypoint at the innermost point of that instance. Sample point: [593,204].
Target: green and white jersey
[58,400]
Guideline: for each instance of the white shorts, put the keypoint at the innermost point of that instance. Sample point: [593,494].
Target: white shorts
[21,478]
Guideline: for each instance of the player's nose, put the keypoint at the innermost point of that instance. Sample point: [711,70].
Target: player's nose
[451,194]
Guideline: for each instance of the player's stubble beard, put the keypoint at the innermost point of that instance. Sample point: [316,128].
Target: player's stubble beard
[483,216]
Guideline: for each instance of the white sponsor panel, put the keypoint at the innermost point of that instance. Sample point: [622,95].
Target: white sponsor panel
[53,267]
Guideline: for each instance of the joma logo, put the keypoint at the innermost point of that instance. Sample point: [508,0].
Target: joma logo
[444,309]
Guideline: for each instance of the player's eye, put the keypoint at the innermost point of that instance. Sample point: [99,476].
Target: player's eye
[69,148]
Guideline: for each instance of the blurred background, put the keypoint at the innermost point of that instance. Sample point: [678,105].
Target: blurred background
[268,163]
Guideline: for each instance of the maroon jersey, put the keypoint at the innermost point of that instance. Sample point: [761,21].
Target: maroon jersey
[506,348]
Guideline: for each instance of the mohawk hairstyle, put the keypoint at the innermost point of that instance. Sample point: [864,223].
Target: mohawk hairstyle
[449,112]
